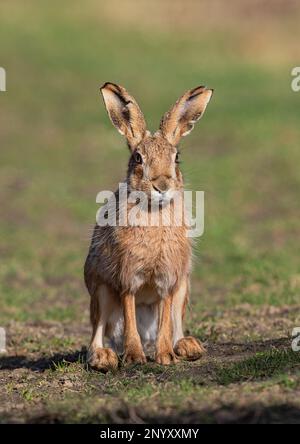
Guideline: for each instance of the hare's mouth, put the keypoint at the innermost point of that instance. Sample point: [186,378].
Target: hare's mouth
[161,197]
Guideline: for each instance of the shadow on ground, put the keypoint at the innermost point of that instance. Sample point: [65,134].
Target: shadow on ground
[43,363]
[228,350]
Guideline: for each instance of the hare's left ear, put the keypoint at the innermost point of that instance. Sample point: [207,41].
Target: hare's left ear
[180,120]
[124,113]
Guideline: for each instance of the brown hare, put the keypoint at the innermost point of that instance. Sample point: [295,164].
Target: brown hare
[138,276]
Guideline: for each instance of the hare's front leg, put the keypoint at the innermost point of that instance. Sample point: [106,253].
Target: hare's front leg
[186,347]
[164,345]
[99,357]
[133,350]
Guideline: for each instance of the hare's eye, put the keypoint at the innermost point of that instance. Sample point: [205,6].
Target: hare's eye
[138,158]
[177,158]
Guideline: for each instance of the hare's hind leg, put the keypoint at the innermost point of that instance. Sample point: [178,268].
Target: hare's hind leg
[99,357]
[185,347]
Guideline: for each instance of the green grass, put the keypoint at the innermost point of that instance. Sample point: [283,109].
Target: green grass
[58,150]
[261,365]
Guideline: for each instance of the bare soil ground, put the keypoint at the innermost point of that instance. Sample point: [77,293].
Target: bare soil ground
[44,377]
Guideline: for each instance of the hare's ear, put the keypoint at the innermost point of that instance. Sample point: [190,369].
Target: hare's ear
[180,120]
[124,113]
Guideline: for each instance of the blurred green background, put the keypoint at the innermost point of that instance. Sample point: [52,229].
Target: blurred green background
[58,148]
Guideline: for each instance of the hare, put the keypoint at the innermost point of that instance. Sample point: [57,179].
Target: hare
[138,276]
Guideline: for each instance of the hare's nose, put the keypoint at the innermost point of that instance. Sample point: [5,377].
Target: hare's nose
[161,185]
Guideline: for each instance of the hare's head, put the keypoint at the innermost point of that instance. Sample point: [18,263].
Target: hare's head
[154,162]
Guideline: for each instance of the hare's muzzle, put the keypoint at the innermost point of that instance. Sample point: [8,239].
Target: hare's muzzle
[161,184]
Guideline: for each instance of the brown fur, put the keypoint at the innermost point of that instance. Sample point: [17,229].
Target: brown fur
[132,342]
[132,265]
[164,348]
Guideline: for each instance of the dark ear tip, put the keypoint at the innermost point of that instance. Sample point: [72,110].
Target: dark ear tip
[109,85]
[104,85]
[203,88]
[199,89]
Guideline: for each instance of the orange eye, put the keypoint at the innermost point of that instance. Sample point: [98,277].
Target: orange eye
[138,158]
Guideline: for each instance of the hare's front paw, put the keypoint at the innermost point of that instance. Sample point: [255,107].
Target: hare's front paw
[103,359]
[166,358]
[134,355]
[189,348]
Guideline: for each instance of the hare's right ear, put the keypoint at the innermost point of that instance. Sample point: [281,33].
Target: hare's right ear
[124,113]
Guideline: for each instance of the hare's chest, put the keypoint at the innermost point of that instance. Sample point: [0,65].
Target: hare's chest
[156,260]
